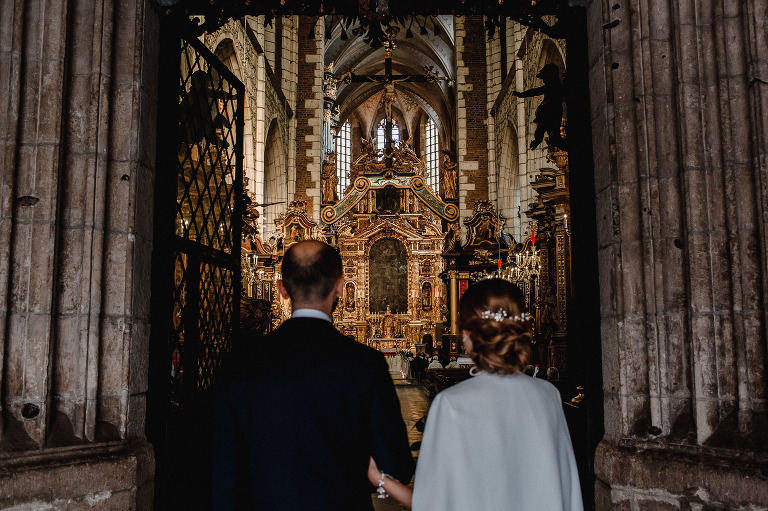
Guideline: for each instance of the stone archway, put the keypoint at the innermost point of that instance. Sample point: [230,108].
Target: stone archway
[678,220]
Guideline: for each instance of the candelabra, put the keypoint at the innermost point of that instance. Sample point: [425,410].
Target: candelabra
[522,267]
[250,268]
[525,266]
[259,281]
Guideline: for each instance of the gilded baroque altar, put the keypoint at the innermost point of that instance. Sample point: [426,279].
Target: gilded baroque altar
[388,227]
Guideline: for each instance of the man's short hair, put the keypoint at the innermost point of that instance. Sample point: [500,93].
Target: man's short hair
[310,273]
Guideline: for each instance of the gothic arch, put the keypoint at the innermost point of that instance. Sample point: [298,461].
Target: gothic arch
[237,58]
[551,54]
[358,130]
[508,179]
[397,115]
[226,53]
[274,186]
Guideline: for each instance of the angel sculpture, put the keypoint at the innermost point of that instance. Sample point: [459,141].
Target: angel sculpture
[549,114]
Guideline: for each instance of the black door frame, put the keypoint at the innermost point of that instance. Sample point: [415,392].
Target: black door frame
[183,483]
[584,351]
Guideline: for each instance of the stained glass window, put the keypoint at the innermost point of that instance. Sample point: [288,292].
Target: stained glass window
[381,133]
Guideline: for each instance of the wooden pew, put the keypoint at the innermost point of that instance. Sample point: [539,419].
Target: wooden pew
[441,379]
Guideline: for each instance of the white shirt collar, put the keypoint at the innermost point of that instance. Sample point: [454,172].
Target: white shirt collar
[310,313]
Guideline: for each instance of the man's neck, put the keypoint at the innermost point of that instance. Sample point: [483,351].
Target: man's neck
[327,309]
[310,313]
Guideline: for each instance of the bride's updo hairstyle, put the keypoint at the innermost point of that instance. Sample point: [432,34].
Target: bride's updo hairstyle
[492,313]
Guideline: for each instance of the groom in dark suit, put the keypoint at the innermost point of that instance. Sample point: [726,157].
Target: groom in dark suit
[296,433]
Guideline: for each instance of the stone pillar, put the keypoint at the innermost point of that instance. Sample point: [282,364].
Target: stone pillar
[77,153]
[680,115]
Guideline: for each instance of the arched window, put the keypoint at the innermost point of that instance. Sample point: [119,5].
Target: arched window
[343,158]
[433,162]
[381,133]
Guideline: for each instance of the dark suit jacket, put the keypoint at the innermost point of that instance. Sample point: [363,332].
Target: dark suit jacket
[297,414]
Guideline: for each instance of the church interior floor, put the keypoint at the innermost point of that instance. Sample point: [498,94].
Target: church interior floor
[414,404]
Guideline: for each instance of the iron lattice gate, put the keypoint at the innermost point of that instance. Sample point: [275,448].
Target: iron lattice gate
[205,252]
[206,286]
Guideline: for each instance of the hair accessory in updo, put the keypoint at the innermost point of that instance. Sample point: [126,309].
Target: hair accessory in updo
[501,315]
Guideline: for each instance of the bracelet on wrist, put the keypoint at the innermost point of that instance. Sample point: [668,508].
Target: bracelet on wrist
[382,493]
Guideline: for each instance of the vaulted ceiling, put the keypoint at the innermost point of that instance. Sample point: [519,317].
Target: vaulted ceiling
[347,50]
[355,32]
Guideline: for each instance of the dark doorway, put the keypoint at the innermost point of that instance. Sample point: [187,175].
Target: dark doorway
[196,261]
[585,414]
[585,417]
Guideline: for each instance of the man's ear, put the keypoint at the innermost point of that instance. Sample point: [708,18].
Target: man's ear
[339,289]
[282,290]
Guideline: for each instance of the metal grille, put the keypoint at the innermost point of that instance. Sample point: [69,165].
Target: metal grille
[207,238]
[180,313]
[215,321]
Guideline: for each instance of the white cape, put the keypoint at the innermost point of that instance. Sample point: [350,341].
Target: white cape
[494,443]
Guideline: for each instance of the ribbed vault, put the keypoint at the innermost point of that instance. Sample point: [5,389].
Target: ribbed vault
[416,51]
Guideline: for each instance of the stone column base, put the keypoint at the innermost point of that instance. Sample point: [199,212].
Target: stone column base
[654,477]
[106,476]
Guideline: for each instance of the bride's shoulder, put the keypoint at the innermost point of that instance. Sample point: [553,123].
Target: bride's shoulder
[467,389]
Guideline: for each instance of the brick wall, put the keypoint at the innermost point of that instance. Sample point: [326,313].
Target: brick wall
[471,112]
[309,116]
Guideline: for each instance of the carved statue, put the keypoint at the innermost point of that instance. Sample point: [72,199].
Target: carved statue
[388,324]
[452,239]
[549,113]
[349,301]
[196,115]
[329,82]
[426,296]
[448,177]
[547,324]
[346,76]
[329,180]
[389,98]
[250,228]
[367,146]
[431,75]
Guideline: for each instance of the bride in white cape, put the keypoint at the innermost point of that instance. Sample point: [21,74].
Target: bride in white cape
[497,441]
